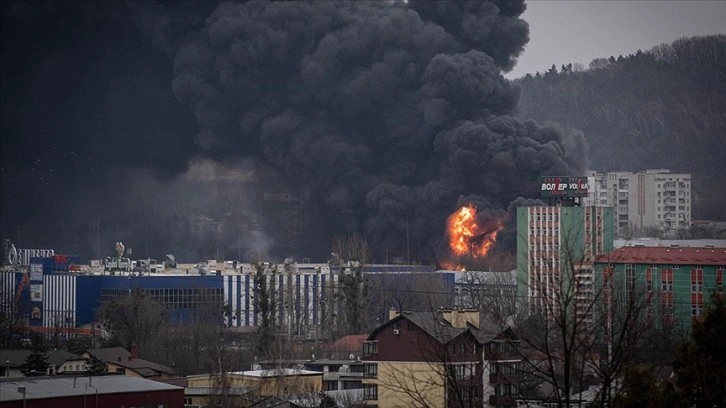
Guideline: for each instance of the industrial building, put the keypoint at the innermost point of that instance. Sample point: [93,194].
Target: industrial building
[65,297]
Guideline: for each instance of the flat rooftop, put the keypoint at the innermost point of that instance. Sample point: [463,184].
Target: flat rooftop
[56,387]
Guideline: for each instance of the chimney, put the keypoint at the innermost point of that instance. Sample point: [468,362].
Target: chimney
[134,352]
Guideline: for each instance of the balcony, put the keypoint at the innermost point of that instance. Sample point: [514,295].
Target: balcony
[335,375]
[503,379]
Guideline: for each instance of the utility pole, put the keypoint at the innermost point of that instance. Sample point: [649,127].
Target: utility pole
[98,235]
[408,251]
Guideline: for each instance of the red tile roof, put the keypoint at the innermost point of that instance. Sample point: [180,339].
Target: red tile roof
[350,344]
[665,255]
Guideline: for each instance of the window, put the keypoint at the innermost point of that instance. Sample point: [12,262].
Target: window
[649,280]
[465,393]
[630,277]
[667,280]
[697,280]
[462,348]
[719,279]
[370,348]
[370,370]
[506,369]
[505,390]
[370,391]
[462,371]
[452,349]
[696,309]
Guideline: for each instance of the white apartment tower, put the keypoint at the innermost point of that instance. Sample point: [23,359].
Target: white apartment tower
[650,199]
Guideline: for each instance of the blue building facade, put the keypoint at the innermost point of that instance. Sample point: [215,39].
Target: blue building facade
[305,296]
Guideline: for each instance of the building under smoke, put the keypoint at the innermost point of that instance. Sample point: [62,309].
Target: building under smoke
[387,116]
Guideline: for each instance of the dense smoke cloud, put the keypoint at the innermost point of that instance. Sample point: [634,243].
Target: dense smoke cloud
[386,114]
[389,112]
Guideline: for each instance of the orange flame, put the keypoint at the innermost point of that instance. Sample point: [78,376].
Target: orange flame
[466,236]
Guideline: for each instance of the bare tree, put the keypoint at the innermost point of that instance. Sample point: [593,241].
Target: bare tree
[623,323]
[12,320]
[440,366]
[135,319]
[577,329]
[493,294]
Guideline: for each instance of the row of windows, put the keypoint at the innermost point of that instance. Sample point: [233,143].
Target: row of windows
[463,371]
[453,348]
[178,298]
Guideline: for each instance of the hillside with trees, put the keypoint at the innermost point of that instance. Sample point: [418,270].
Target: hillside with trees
[662,108]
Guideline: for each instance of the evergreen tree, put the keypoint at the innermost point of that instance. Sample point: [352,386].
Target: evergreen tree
[700,364]
[37,360]
[265,308]
[94,366]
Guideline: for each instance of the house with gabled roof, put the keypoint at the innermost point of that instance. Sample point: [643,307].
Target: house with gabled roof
[58,361]
[447,358]
[120,360]
[424,359]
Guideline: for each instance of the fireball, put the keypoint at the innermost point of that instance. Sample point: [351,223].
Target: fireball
[467,236]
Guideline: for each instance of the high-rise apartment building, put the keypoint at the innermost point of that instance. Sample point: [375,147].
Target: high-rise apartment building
[557,246]
[651,199]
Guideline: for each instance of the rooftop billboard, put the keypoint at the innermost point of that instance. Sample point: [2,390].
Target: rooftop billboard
[563,187]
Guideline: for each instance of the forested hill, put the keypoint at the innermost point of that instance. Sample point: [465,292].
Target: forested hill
[663,108]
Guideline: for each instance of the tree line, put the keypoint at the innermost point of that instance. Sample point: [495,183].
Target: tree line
[662,108]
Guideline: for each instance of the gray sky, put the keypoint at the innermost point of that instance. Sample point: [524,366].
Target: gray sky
[579,31]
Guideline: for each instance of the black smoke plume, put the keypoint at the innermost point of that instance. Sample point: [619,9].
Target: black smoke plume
[382,115]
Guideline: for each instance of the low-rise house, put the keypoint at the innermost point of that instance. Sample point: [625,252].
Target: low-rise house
[59,361]
[252,386]
[443,359]
[104,391]
[424,359]
[502,365]
[120,360]
[338,374]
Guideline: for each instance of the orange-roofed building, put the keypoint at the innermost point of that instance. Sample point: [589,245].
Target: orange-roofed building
[676,281]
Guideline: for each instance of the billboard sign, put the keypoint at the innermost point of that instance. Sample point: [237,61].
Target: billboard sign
[36,272]
[563,187]
[36,293]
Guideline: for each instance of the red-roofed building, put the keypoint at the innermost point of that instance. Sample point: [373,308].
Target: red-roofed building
[676,281]
[347,345]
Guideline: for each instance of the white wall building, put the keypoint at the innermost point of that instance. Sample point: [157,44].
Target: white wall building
[650,199]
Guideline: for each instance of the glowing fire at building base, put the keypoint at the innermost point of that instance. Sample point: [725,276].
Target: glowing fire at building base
[471,234]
